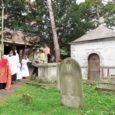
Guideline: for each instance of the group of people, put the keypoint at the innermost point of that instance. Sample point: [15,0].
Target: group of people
[42,55]
[18,67]
[12,69]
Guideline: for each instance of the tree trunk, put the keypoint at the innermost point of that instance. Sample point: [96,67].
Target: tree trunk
[55,38]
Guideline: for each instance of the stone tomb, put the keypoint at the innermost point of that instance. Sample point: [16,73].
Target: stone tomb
[106,84]
[48,71]
[71,83]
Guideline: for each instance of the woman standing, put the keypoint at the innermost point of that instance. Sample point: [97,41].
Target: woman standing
[24,67]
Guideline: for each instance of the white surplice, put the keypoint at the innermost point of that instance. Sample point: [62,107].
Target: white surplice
[24,68]
[13,64]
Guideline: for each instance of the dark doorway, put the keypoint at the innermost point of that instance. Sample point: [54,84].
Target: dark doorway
[93,67]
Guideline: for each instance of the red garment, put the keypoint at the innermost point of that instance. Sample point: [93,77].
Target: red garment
[5,74]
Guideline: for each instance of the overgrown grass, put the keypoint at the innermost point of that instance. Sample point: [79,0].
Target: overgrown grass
[47,102]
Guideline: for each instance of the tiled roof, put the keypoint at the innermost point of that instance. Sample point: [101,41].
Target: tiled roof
[19,37]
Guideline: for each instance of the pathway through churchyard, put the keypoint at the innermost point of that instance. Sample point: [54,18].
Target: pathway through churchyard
[5,93]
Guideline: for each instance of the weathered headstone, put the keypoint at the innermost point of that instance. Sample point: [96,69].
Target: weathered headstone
[71,83]
[27,99]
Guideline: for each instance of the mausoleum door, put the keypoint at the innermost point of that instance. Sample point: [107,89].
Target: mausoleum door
[93,67]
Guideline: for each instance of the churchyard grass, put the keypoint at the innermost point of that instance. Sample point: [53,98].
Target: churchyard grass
[46,101]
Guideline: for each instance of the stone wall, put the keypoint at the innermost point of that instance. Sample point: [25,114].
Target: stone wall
[104,48]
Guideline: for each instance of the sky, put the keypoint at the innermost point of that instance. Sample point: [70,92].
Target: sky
[79,1]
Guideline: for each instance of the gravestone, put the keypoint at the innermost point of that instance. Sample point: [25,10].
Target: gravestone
[71,83]
[27,99]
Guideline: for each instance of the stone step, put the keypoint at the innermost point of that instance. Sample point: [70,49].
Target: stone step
[107,84]
[107,81]
[106,87]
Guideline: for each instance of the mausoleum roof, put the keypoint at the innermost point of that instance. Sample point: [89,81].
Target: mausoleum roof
[101,32]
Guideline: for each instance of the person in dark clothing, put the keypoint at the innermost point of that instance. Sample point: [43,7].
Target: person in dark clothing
[34,62]
[35,71]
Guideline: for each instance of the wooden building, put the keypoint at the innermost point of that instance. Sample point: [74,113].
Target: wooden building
[19,40]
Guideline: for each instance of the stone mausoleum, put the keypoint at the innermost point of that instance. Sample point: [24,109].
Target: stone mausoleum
[95,52]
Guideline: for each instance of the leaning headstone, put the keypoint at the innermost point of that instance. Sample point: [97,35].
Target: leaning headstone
[71,83]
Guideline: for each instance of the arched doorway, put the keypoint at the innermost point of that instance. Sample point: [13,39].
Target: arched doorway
[93,67]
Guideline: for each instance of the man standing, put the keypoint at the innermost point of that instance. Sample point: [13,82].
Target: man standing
[34,62]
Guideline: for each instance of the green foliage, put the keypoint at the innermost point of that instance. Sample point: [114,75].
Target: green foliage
[72,20]
[47,102]
[109,13]
[92,10]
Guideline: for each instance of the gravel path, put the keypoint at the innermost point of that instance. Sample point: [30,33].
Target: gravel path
[5,93]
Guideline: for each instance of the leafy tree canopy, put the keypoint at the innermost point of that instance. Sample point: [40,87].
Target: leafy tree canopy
[72,19]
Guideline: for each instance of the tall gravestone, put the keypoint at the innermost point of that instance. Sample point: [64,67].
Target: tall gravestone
[71,83]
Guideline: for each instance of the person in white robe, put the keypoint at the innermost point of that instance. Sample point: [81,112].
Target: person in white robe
[19,75]
[24,67]
[13,64]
